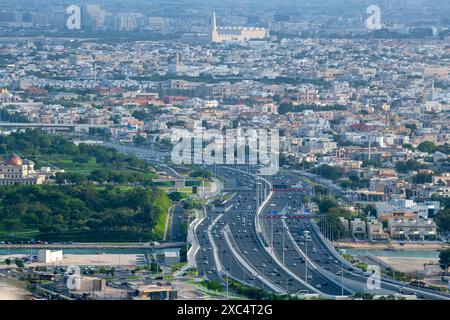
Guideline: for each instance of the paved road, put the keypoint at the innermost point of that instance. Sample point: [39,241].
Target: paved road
[241,223]
[327,259]
[177,224]
[323,267]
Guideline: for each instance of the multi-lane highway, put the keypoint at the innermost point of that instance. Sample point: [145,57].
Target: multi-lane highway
[237,218]
[274,254]
[285,255]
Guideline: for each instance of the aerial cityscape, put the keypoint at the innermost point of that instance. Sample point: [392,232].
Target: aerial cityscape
[225,150]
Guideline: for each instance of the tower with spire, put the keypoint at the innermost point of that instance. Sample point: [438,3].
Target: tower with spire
[221,34]
[213,31]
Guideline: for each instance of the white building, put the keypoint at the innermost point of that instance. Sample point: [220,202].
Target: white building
[358,228]
[210,104]
[14,171]
[48,256]
[412,229]
[171,257]
[422,210]
[375,230]
[221,34]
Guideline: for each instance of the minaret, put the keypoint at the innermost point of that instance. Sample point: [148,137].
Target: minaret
[214,28]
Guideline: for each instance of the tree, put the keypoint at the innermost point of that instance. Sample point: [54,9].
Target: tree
[8,261]
[212,285]
[370,210]
[326,204]
[444,259]
[409,165]
[443,220]
[139,140]
[201,173]
[422,178]
[363,295]
[329,172]
[176,196]
[427,146]
[408,146]
[338,229]
[19,263]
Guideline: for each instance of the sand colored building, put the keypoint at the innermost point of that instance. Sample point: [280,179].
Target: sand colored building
[222,34]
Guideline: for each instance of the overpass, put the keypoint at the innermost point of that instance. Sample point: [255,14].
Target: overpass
[74,127]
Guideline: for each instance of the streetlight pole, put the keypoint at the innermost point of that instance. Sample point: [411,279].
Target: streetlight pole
[228,280]
[306,260]
[273,250]
[342,278]
[283,226]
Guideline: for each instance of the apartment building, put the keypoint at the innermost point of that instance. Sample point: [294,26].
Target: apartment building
[412,229]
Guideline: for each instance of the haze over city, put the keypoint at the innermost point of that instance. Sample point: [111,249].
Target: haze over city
[225,150]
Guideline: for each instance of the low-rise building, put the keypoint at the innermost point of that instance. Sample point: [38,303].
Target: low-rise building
[14,171]
[375,231]
[155,292]
[48,256]
[423,210]
[443,179]
[171,257]
[346,224]
[412,229]
[90,284]
[358,228]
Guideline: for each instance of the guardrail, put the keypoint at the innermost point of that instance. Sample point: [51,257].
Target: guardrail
[328,275]
[329,246]
[270,250]
[247,266]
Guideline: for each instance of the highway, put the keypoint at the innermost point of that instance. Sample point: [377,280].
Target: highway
[311,266]
[239,219]
[177,224]
[323,255]
[256,257]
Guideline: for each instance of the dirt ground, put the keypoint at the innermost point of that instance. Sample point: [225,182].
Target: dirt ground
[392,246]
[410,264]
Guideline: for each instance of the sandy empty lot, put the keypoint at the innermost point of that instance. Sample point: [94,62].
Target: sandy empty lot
[85,260]
[100,259]
[94,260]
[408,264]
[392,246]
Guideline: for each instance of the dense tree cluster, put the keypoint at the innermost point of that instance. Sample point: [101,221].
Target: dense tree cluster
[430,147]
[8,116]
[104,176]
[443,217]
[36,144]
[329,172]
[201,173]
[444,259]
[59,209]
[330,207]
[409,165]
[354,182]
[422,178]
